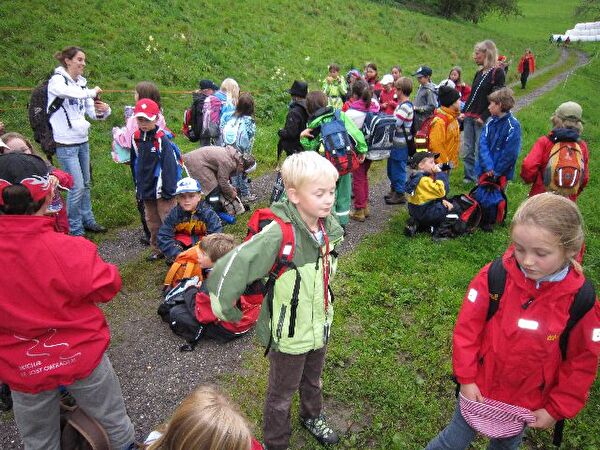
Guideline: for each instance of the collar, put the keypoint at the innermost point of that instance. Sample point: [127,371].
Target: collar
[554,277]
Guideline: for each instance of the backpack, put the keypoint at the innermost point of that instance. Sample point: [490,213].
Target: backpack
[235,133]
[185,266]
[338,146]
[158,147]
[583,302]
[211,117]
[80,431]
[192,120]
[39,116]
[563,173]
[421,137]
[462,219]
[486,194]
[379,130]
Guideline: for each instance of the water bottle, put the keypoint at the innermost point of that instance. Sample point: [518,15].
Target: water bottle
[227,218]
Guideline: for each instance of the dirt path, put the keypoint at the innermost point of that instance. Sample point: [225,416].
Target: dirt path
[154,375]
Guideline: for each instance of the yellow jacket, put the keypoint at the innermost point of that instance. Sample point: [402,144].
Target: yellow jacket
[443,139]
[424,189]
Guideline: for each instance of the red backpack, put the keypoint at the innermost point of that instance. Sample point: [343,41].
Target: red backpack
[563,173]
[422,136]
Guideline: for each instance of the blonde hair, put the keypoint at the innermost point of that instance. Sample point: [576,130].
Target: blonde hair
[205,420]
[504,97]
[217,245]
[491,52]
[557,215]
[232,89]
[305,167]
[557,122]
[12,135]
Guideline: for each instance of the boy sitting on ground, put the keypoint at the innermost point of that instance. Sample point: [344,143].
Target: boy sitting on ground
[188,222]
[295,321]
[426,188]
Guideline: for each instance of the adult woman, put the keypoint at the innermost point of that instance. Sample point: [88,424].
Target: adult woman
[70,132]
[526,67]
[487,79]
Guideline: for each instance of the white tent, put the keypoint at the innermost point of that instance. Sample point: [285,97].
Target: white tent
[582,32]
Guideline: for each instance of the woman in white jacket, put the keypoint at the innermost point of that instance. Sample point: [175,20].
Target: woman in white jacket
[70,132]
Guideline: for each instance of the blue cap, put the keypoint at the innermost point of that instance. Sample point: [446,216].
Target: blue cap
[188,184]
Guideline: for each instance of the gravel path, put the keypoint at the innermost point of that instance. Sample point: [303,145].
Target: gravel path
[154,375]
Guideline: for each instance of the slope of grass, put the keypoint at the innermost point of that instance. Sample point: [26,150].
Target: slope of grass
[264,45]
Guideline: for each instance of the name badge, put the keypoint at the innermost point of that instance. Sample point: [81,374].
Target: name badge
[472,295]
[596,335]
[528,324]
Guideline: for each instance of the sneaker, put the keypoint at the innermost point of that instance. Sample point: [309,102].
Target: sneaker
[95,228]
[155,256]
[367,211]
[320,430]
[250,198]
[358,215]
[145,241]
[410,230]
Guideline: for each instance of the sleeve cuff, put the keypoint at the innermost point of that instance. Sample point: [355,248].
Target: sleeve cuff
[465,380]
[553,412]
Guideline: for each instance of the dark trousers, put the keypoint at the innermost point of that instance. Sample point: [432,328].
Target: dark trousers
[142,211]
[288,374]
[524,76]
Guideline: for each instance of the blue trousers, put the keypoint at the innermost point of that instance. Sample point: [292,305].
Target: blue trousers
[396,168]
[470,148]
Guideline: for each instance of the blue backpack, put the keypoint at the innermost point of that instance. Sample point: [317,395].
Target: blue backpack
[339,149]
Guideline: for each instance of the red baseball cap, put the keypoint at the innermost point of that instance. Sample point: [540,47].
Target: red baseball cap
[146,108]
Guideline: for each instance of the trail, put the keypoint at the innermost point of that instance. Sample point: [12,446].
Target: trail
[154,375]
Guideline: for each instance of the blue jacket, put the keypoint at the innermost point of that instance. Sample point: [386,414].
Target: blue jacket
[195,224]
[154,165]
[499,146]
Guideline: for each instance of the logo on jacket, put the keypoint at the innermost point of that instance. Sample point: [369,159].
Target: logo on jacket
[596,335]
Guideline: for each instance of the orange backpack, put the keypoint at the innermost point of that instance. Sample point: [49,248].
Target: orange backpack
[564,171]
[422,136]
[185,266]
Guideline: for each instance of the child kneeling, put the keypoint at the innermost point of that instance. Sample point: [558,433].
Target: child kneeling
[295,321]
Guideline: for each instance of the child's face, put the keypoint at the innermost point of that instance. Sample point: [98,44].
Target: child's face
[427,165]
[203,259]
[396,73]
[371,73]
[189,200]
[17,145]
[145,124]
[456,105]
[423,80]
[387,87]
[454,75]
[334,73]
[495,109]
[314,199]
[538,251]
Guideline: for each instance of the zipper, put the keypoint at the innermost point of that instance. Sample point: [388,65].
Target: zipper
[280,321]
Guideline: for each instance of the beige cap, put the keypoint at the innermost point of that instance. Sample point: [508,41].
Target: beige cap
[569,111]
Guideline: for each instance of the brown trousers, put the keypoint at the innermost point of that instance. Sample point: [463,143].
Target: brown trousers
[288,374]
[156,211]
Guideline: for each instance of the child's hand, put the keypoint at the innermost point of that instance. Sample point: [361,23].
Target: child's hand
[330,79]
[542,419]
[307,133]
[98,90]
[471,392]
[449,206]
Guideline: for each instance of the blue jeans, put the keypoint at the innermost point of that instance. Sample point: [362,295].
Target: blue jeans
[396,168]
[458,435]
[470,148]
[75,160]
[241,184]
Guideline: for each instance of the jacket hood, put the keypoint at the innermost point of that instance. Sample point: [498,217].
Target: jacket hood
[287,211]
[320,114]
[413,181]
[299,104]
[360,105]
[564,135]
[81,81]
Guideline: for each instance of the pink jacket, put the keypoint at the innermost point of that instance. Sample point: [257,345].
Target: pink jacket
[123,135]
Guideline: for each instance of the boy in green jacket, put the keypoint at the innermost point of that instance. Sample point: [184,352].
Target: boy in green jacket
[319,113]
[296,352]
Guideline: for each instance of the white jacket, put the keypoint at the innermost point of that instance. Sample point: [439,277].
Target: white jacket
[78,101]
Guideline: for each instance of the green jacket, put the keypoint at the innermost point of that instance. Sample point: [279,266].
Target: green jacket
[253,260]
[325,115]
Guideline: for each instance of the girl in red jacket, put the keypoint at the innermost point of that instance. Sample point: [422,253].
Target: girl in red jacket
[515,357]
[567,126]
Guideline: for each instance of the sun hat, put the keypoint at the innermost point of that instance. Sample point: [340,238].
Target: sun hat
[187,184]
[298,89]
[387,79]
[423,71]
[146,108]
[420,156]
[569,111]
[495,419]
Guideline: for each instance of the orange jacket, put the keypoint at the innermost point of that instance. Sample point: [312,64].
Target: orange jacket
[444,136]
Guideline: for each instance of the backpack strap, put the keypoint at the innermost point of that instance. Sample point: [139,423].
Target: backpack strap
[583,302]
[57,104]
[496,284]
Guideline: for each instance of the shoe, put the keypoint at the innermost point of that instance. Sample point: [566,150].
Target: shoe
[95,228]
[389,194]
[145,241]
[487,227]
[367,211]
[320,430]
[250,198]
[410,229]
[396,199]
[77,234]
[154,257]
[358,215]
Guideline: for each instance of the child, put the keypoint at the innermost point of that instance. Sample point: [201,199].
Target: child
[204,420]
[335,87]
[426,188]
[296,350]
[515,356]
[190,221]
[316,104]
[444,134]
[206,90]
[295,121]
[396,163]
[567,126]
[239,132]
[526,67]
[396,72]
[388,99]
[372,78]
[499,147]
[361,104]
[463,88]
[229,95]
[155,169]
[426,98]
[53,333]
[124,135]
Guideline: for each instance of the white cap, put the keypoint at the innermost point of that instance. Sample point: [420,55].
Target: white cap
[387,79]
[188,184]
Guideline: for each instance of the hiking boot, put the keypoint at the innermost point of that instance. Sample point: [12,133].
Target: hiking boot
[389,194]
[155,256]
[367,211]
[358,215]
[95,228]
[396,199]
[320,430]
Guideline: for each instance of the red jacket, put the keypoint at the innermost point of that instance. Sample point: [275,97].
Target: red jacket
[515,357]
[62,221]
[52,331]
[522,62]
[535,162]
[391,98]
[464,90]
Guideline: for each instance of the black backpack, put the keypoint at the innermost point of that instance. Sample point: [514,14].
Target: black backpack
[192,119]
[583,302]
[40,113]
